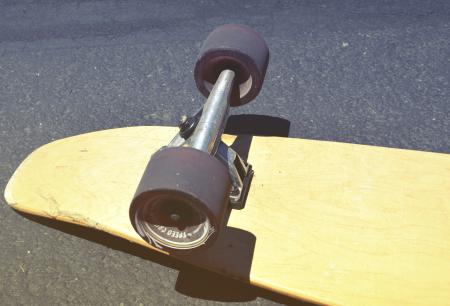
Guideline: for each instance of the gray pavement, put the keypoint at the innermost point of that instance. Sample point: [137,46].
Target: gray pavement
[368,72]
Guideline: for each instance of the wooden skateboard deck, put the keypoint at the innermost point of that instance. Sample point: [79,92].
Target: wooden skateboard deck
[328,222]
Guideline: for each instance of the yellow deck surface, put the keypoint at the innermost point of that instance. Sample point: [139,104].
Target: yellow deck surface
[328,222]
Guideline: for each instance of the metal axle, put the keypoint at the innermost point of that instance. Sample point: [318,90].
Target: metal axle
[203,131]
[211,125]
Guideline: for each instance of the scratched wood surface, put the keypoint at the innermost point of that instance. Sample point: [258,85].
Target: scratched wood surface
[327,222]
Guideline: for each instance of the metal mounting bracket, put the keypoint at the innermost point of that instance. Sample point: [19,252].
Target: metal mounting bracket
[241,172]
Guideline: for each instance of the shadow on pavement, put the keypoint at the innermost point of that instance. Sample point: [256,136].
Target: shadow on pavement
[257,125]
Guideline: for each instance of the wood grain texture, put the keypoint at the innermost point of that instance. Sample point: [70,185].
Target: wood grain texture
[328,222]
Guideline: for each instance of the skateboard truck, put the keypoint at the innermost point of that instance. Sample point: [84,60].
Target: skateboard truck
[240,171]
[188,185]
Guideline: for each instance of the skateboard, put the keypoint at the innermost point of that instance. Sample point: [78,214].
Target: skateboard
[326,222]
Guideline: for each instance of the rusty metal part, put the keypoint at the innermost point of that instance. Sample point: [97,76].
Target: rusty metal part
[181,200]
[237,48]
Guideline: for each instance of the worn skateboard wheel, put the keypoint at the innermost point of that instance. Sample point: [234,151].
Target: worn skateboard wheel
[181,200]
[238,48]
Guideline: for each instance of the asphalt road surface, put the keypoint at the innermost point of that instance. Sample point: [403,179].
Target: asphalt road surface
[368,72]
